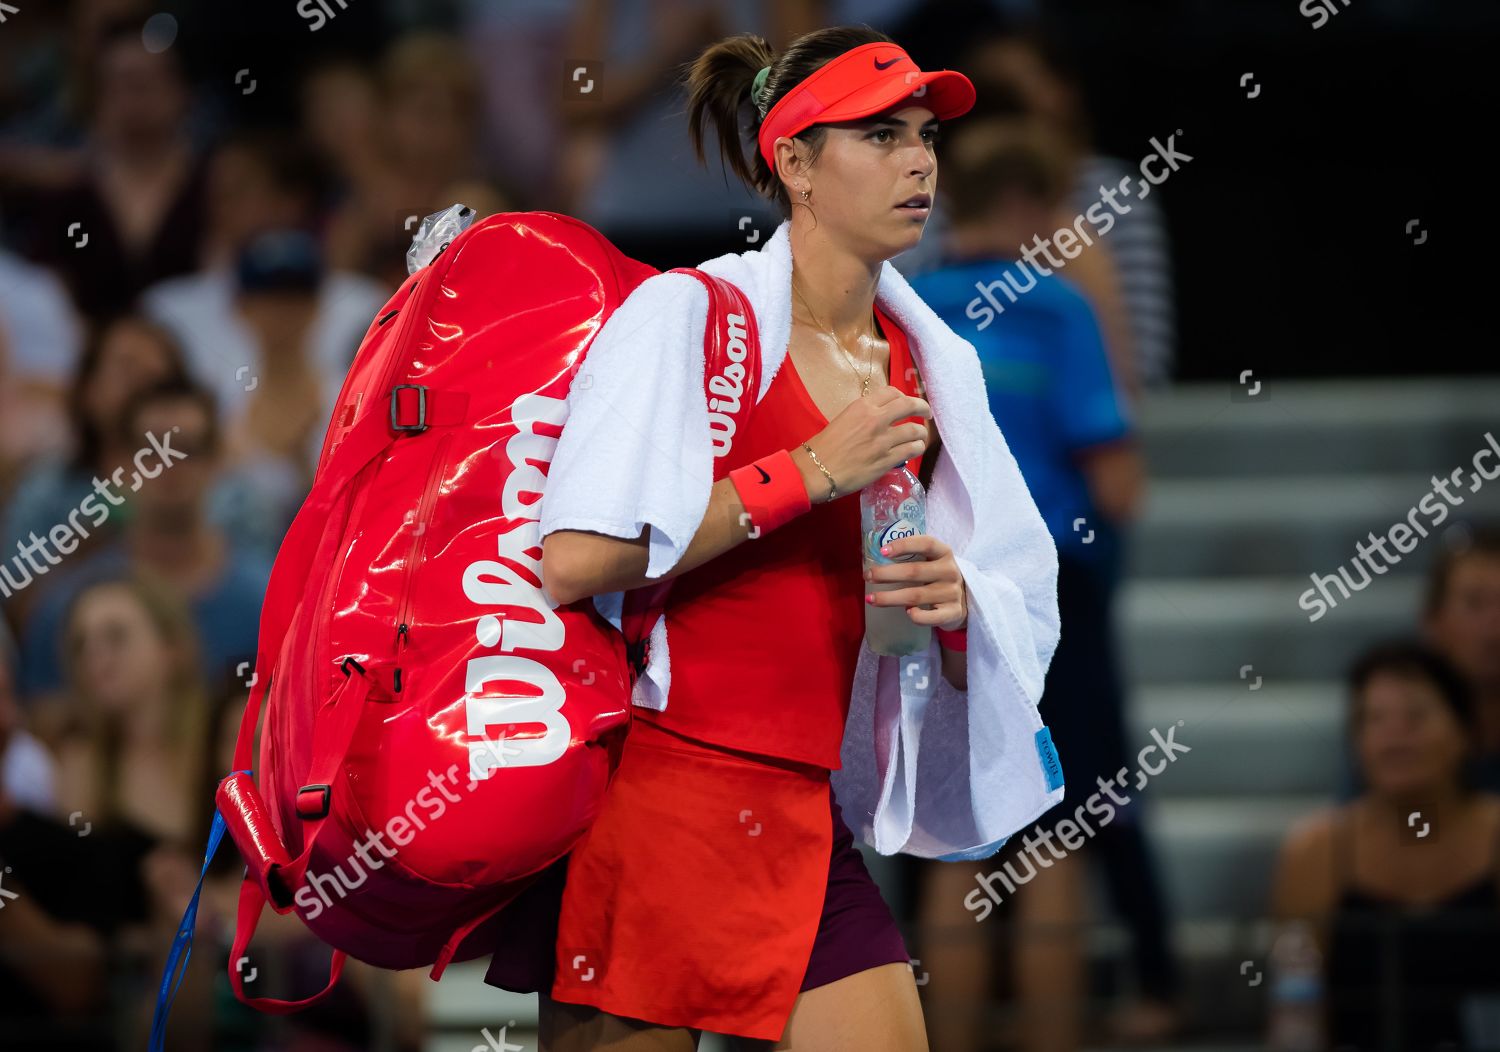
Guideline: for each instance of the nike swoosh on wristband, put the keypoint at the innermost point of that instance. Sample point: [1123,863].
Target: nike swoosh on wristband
[888,63]
[764,478]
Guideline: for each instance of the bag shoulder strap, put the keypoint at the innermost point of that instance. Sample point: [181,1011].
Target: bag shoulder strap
[731,385]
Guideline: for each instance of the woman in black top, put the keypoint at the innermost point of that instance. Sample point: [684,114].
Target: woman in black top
[1402,883]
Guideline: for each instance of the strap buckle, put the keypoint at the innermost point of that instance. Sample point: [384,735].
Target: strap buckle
[308,810]
[421,424]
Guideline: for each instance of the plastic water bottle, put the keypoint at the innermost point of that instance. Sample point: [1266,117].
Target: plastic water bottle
[1296,991]
[893,506]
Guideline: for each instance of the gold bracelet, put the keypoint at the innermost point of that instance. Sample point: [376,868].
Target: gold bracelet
[833,491]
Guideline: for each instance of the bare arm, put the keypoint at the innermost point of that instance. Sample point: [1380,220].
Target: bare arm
[1115,475]
[1305,881]
[64,962]
[579,563]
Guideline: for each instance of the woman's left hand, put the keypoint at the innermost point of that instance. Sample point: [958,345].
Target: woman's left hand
[934,592]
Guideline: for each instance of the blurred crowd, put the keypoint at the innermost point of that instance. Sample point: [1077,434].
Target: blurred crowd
[178,273]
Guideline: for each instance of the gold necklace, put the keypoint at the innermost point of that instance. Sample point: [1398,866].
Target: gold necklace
[869,369]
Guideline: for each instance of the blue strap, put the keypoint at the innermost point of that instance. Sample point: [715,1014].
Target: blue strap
[182,943]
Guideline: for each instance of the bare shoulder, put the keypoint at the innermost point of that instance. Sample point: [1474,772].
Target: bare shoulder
[1312,834]
[1306,871]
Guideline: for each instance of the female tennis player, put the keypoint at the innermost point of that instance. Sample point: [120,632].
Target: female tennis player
[719,888]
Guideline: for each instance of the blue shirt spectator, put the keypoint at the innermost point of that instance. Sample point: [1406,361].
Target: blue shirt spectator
[1048,378]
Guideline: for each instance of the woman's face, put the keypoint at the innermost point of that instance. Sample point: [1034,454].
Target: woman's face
[425,122]
[1467,625]
[141,97]
[341,111]
[118,656]
[130,360]
[865,171]
[1408,738]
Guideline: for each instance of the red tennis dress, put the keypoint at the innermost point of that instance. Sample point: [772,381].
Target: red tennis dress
[698,895]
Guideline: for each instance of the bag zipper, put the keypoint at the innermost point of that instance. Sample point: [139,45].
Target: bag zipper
[418,543]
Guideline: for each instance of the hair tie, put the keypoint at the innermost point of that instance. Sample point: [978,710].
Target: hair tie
[758,87]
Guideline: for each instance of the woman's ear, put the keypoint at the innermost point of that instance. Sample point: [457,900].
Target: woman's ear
[791,165]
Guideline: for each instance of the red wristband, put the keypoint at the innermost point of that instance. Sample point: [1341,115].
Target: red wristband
[772,490]
[956,639]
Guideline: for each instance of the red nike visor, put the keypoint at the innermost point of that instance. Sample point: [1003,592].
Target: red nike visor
[859,83]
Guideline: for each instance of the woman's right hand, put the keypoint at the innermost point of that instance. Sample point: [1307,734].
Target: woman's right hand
[864,441]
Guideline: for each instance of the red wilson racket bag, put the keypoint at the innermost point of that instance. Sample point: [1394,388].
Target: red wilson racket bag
[436,733]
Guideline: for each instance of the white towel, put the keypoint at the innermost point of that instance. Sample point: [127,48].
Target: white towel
[926,769]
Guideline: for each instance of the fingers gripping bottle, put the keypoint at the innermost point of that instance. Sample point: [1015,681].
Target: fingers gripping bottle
[893,506]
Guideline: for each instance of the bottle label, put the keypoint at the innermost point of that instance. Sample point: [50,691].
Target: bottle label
[909,521]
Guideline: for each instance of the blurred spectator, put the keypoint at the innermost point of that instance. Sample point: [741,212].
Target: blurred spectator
[267,327]
[45,62]
[135,215]
[289,961]
[124,357]
[259,179]
[1127,273]
[1052,391]
[429,124]
[1405,911]
[285,956]
[279,355]
[33,75]
[519,50]
[627,165]
[27,771]
[129,751]
[340,118]
[1462,620]
[131,748]
[168,533]
[40,340]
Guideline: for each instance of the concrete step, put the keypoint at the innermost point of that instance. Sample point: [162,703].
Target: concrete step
[1296,524]
[1207,630]
[461,1006]
[1285,737]
[1340,426]
[1217,856]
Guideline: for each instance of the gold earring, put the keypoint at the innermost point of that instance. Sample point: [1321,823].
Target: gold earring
[805,193]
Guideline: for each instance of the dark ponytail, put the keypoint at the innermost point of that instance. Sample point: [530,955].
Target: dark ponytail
[719,84]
